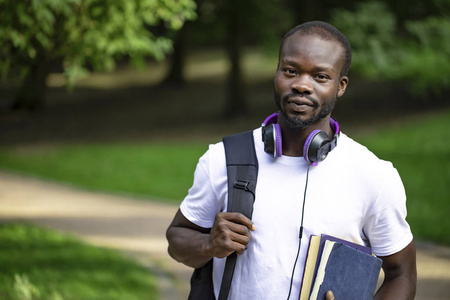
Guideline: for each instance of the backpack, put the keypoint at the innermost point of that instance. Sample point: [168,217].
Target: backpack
[242,172]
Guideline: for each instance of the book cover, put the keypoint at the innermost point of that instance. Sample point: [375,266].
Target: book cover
[325,237]
[310,264]
[349,273]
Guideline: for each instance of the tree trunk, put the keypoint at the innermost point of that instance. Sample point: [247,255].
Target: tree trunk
[175,76]
[31,95]
[236,103]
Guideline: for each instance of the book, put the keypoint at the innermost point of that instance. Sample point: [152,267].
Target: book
[325,237]
[310,265]
[348,272]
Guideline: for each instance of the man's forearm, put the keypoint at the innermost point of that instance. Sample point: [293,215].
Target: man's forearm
[188,246]
[400,275]
[399,288]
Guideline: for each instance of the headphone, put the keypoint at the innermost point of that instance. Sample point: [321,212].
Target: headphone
[317,144]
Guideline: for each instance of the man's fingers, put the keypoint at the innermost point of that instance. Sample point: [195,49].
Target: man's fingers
[329,296]
[239,229]
[241,252]
[243,239]
[237,218]
[230,233]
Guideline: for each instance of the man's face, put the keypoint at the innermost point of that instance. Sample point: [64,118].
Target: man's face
[308,81]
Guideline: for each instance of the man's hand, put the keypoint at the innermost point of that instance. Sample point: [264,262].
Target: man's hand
[194,246]
[329,296]
[230,233]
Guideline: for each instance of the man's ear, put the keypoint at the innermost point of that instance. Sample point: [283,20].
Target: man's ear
[343,81]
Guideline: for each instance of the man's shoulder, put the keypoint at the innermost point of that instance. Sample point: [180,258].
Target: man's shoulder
[358,154]
[215,155]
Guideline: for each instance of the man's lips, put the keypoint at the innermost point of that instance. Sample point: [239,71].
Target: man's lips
[300,104]
[299,101]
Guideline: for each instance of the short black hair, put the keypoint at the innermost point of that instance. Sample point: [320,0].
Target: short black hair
[326,32]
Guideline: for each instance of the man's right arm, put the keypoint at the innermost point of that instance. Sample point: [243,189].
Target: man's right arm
[194,246]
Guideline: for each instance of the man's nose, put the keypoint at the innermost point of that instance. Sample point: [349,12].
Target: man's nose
[302,84]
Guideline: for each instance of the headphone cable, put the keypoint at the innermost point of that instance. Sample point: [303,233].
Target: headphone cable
[300,233]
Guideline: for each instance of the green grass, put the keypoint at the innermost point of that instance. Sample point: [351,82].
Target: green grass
[420,151]
[156,170]
[44,264]
[421,154]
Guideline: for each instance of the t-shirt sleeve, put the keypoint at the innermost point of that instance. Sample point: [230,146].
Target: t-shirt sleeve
[206,196]
[386,225]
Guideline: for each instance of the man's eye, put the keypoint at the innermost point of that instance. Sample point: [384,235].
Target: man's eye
[321,77]
[290,71]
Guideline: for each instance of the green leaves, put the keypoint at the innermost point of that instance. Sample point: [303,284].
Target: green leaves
[416,51]
[86,32]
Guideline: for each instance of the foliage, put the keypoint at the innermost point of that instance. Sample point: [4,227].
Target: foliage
[44,264]
[416,51]
[24,289]
[84,34]
[262,22]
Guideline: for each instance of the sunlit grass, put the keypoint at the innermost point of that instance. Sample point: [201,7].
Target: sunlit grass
[154,170]
[45,264]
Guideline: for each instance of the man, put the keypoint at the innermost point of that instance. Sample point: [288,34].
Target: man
[351,194]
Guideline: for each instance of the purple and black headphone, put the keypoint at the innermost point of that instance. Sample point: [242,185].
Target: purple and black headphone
[316,147]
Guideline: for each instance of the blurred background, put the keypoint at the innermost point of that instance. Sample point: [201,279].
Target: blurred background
[123,96]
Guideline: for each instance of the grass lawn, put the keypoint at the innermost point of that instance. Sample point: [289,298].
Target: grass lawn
[42,264]
[420,151]
[162,171]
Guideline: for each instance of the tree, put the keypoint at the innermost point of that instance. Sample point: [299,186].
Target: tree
[247,24]
[236,103]
[233,25]
[78,36]
[413,47]
[177,58]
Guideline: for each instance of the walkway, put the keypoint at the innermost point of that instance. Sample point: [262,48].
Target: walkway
[138,229]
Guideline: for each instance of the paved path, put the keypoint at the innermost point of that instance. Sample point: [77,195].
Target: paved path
[138,228]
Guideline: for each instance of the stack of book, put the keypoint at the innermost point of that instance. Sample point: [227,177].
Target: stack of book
[347,269]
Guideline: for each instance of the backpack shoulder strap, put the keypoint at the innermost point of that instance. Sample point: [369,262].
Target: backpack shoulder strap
[242,171]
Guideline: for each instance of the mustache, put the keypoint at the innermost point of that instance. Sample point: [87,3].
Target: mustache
[313,100]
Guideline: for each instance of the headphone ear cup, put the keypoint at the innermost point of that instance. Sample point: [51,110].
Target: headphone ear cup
[267,137]
[278,141]
[312,149]
[272,140]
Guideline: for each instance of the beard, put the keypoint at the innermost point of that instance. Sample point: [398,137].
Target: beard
[295,122]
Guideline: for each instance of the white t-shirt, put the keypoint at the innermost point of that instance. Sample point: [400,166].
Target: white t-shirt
[352,195]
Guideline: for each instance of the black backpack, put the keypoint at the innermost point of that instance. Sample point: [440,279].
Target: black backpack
[242,171]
